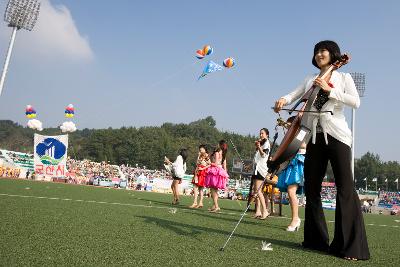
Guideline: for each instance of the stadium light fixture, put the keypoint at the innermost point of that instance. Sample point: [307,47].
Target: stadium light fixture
[359,81]
[19,14]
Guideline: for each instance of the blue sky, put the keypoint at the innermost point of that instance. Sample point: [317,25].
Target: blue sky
[131,63]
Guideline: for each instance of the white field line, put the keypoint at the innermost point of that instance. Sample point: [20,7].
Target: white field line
[156,207]
[117,203]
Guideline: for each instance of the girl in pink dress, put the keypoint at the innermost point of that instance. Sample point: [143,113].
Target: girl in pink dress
[217,177]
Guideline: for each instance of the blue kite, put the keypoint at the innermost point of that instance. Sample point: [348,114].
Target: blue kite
[210,67]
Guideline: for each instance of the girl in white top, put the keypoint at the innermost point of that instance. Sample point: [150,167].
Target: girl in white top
[178,171]
[260,172]
[331,141]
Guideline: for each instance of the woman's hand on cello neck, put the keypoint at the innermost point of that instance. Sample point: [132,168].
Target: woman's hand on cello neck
[321,83]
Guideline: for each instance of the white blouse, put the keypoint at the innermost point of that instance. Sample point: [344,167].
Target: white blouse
[343,93]
[261,160]
[179,168]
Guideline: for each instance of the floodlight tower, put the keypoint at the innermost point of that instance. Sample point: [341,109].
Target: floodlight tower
[359,81]
[19,14]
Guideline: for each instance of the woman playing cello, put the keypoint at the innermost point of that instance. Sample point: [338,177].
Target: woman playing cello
[331,141]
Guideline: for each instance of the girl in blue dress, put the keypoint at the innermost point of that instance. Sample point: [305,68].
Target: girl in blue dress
[291,180]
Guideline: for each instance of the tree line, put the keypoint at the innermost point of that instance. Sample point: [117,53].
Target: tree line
[145,146]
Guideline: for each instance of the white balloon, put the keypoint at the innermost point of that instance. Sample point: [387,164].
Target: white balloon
[68,127]
[35,124]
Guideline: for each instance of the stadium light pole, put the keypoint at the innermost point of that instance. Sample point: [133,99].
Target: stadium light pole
[359,81]
[19,14]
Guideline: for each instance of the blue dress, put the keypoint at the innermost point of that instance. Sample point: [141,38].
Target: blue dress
[293,174]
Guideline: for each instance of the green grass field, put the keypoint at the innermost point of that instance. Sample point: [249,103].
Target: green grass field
[59,224]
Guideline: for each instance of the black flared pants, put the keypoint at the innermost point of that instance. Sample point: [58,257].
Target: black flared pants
[350,239]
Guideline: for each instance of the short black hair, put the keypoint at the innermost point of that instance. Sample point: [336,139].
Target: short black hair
[333,49]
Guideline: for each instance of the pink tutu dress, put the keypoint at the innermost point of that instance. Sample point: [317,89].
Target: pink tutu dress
[216,176]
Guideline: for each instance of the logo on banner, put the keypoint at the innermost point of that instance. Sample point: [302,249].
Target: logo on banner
[50,155]
[51,151]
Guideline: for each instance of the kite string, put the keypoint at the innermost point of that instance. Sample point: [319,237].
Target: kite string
[170,76]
